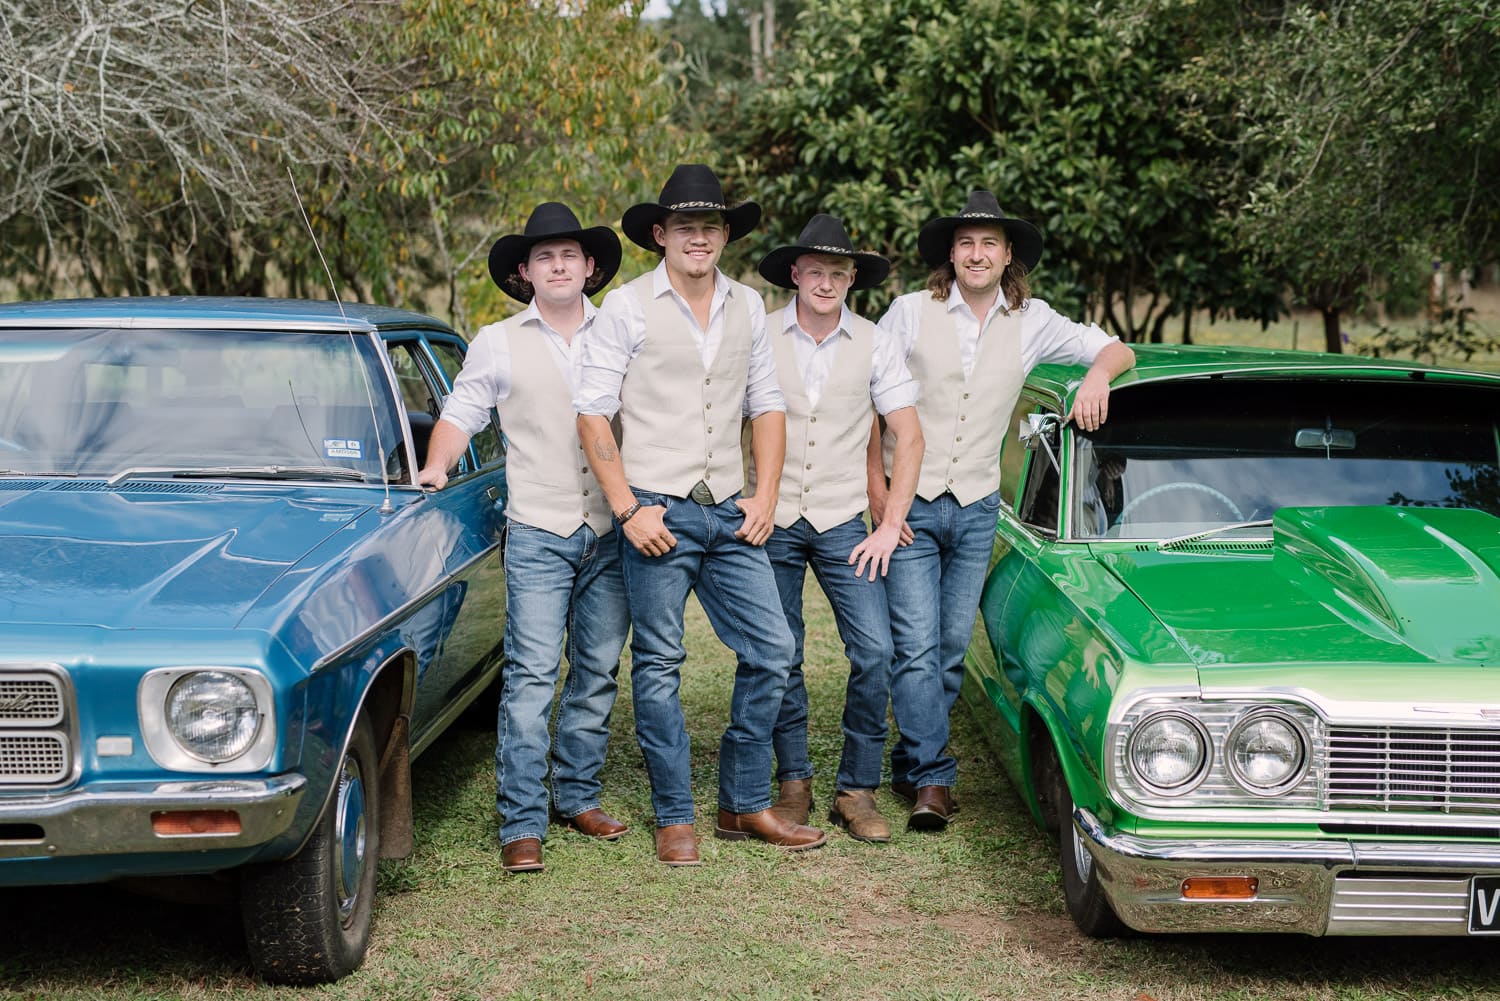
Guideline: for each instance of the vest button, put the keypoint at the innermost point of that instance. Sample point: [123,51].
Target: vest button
[950,483]
[812,420]
[955,459]
[585,493]
[710,455]
[966,396]
[710,430]
[959,438]
[809,465]
[807,490]
[707,382]
[708,406]
[811,444]
[963,417]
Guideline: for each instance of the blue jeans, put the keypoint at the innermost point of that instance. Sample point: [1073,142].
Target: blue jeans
[737,590]
[933,591]
[555,586]
[859,610]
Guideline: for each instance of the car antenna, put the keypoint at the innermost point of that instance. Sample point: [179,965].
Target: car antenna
[385,505]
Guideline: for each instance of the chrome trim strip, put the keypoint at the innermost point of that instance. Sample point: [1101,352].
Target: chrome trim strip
[380,625]
[116,819]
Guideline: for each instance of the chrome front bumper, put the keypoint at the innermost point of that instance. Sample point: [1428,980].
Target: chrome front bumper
[116,819]
[1310,887]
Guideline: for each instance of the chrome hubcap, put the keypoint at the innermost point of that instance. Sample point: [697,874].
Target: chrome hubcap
[349,838]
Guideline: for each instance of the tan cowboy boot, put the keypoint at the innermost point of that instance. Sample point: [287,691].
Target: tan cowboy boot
[794,801]
[855,810]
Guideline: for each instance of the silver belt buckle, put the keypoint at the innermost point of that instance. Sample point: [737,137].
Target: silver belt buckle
[701,493]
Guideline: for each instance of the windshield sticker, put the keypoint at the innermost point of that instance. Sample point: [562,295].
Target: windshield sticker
[343,448]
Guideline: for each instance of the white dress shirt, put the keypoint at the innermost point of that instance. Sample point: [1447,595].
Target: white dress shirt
[891,384]
[620,331]
[485,379]
[1046,335]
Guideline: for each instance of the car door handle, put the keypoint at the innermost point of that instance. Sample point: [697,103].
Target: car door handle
[493,493]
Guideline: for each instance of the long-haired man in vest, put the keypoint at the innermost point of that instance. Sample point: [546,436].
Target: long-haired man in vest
[837,371]
[680,354]
[562,566]
[969,339]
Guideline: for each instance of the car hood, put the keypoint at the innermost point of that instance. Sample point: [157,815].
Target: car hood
[1340,585]
[153,555]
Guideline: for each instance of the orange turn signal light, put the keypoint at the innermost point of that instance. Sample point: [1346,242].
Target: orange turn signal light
[1220,887]
[177,823]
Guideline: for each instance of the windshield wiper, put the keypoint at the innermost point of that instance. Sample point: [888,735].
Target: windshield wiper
[241,472]
[1209,533]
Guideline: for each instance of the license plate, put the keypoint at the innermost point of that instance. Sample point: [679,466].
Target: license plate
[1484,905]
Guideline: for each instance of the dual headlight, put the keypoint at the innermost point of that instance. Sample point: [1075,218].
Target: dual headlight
[1265,752]
[202,719]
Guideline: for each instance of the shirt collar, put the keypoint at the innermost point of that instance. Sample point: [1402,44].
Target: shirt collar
[532,315]
[661,284]
[845,327]
[956,300]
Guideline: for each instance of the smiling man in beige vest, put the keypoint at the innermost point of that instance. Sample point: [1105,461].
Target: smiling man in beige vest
[561,562]
[969,340]
[681,355]
[837,370]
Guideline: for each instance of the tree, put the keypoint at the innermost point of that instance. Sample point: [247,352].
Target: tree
[1351,136]
[141,134]
[413,131]
[887,111]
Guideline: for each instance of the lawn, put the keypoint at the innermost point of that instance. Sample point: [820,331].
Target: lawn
[975,912]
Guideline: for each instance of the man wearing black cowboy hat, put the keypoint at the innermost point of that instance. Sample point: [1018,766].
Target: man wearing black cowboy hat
[680,354]
[837,371]
[562,567]
[969,339]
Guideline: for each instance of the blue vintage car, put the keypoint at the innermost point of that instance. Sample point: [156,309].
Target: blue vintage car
[229,617]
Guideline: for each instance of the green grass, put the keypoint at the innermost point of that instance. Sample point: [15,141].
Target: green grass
[975,912]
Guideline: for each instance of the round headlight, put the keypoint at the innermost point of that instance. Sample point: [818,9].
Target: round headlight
[1169,752]
[212,715]
[1267,753]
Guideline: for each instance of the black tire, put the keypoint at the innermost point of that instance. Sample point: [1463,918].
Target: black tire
[307,919]
[1087,905]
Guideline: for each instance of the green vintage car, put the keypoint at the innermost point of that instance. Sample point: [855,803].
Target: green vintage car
[1240,648]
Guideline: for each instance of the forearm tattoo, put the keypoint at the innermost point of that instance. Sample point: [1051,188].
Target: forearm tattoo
[604,450]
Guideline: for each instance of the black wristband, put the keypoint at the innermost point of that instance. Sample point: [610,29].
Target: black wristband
[629,513]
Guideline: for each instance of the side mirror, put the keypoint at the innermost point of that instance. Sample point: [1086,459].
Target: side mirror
[1034,429]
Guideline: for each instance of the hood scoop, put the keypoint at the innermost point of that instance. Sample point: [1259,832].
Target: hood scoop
[1425,577]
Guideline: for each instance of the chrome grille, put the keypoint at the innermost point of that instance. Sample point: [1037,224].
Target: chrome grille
[1414,769]
[37,726]
[30,700]
[33,758]
[1399,905]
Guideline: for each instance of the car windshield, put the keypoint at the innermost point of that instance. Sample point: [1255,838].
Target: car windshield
[121,402]
[1183,457]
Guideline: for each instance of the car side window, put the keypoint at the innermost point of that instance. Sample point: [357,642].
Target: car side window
[1013,454]
[420,395]
[487,442]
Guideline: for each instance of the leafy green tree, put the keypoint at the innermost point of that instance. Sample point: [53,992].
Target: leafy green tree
[413,133]
[1353,139]
[887,112]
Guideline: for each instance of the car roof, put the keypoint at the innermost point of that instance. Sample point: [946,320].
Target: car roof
[212,311]
[1157,362]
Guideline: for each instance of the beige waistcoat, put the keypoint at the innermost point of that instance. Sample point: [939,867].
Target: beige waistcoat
[823,479]
[680,422]
[550,484]
[963,420]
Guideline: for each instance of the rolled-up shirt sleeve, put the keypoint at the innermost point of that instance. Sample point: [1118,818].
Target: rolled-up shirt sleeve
[482,383]
[891,384]
[616,336]
[1048,336]
[762,390]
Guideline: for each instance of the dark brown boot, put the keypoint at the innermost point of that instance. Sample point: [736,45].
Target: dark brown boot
[794,801]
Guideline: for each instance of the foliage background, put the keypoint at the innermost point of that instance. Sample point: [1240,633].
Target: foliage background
[1231,159]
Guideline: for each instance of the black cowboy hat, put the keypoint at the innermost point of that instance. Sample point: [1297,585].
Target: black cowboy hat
[553,221]
[824,234]
[935,241]
[692,187]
